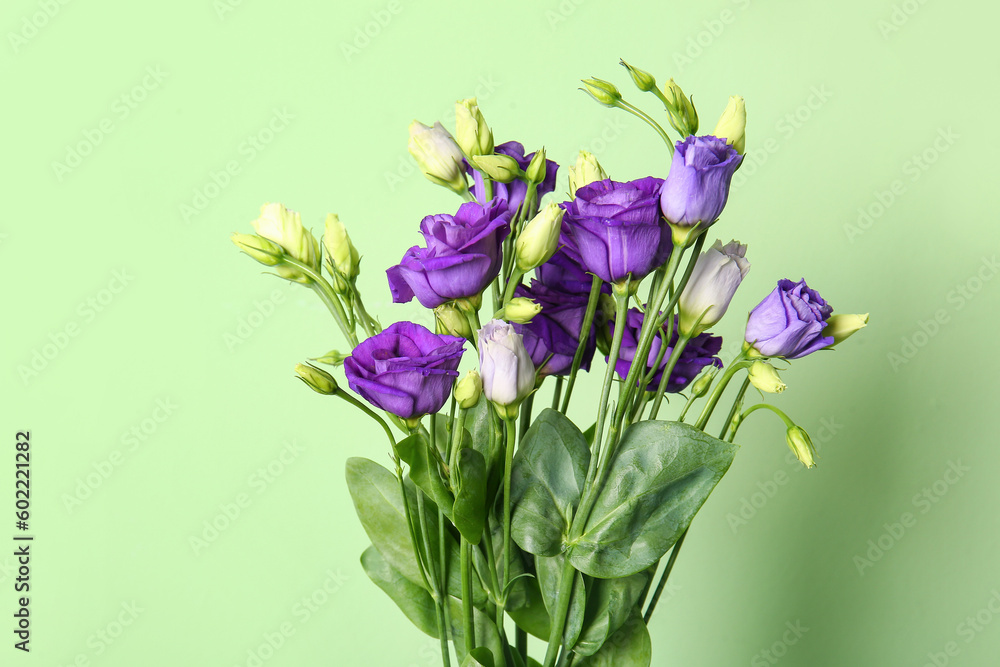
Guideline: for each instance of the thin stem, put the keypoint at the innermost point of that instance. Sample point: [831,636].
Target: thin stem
[445,605]
[512,283]
[557,392]
[457,433]
[785,418]
[468,625]
[507,542]
[439,597]
[328,296]
[663,577]
[562,610]
[675,355]
[737,404]
[635,111]
[738,363]
[581,347]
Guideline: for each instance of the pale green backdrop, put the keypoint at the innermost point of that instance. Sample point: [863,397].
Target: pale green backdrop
[152,362]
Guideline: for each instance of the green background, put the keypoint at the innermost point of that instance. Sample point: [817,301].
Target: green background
[847,102]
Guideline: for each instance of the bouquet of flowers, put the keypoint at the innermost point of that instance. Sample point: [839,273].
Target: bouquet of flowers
[497,518]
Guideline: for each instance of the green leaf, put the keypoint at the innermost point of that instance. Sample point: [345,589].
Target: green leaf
[609,604]
[469,514]
[660,477]
[425,471]
[479,657]
[549,472]
[412,598]
[630,645]
[550,571]
[487,635]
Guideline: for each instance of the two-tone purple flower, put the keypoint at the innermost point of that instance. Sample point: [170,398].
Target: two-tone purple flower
[789,322]
[697,187]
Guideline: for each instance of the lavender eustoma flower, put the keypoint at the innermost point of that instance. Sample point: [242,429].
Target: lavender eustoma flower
[697,187]
[789,322]
[699,353]
[406,370]
[552,336]
[461,258]
[615,228]
[514,192]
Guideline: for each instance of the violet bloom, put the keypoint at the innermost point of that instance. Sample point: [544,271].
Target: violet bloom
[697,187]
[789,322]
[514,192]
[615,228]
[406,370]
[462,255]
[699,353]
[552,336]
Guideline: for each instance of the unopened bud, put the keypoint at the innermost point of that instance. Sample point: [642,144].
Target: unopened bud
[437,155]
[703,382]
[536,170]
[317,379]
[842,327]
[501,168]
[586,170]
[331,358]
[259,248]
[468,389]
[472,133]
[340,252]
[765,377]
[683,116]
[521,310]
[452,321]
[732,124]
[604,92]
[801,445]
[539,238]
[643,80]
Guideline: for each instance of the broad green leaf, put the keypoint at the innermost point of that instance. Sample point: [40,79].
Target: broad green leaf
[609,604]
[487,635]
[589,434]
[479,657]
[425,471]
[549,472]
[379,505]
[661,475]
[629,646]
[413,599]
[550,570]
[469,513]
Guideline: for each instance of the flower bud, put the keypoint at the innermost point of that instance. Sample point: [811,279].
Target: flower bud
[732,124]
[468,389]
[801,445]
[521,310]
[713,282]
[586,170]
[506,367]
[437,155]
[472,134]
[842,326]
[643,80]
[539,238]
[536,171]
[765,377]
[603,91]
[501,168]
[284,227]
[683,116]
[452,321]
[318,380]
[332,358]
[259,248]
[703,382]
[340,252]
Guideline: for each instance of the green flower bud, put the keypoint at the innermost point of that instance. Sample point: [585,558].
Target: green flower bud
[472,133]
[501,168]
[801,445]
[537,167]
[683,116]
[603,91]
[340,252]
[259,248]
[452,321]
[521,310]
[842,327]
[765,377]
[586,170]
[437,155]
[643,80]
[468,389]
[703,382]
[332,358]
[317,379]
[284,227]
[539,238]
[732,124]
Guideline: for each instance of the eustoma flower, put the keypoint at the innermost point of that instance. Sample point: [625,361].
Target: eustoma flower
[284,227]
[697,187]
[461,258]
[699,353]
[514,192]
[505,366]
[615,228]
[789,322]
[713,282]
[405,370]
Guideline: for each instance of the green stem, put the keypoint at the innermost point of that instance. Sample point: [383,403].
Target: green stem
[682,342]
[581,347]
[557,392]
[785,418]
[507,542]
[562,610]
[328,296]
[457,433]
[515,280]
[737,404]
[445,604]
[439,597]
[663,577]
[639,113]
[738,363]
[468,625]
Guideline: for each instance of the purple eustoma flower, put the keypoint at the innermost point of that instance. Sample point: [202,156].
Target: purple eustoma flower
[615,228]
[552,336]
[697,187]
[406,370]
[789,322]
[462,255]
